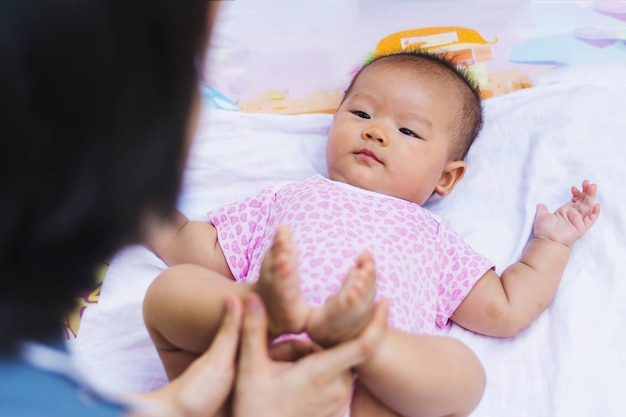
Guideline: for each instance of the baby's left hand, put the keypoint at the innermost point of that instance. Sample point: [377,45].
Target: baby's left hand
[570,221]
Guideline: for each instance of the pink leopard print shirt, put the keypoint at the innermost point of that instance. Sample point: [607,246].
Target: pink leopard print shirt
[423,267]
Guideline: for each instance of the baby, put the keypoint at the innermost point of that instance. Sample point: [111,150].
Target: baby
[400,135]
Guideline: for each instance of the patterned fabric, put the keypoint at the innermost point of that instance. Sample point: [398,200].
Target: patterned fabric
[422,265]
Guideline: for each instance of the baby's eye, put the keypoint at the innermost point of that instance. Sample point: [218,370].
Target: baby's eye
[361,114]
[408,132]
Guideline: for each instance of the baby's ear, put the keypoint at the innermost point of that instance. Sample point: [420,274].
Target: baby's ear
[451,175]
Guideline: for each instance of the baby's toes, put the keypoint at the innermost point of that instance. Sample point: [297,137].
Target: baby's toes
[366,277]
[366,286]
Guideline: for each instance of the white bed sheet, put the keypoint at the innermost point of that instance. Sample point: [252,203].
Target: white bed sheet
[535,145]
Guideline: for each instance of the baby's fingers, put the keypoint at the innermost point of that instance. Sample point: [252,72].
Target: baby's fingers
[584,200]
[588,192]
[590,189]
[591,218]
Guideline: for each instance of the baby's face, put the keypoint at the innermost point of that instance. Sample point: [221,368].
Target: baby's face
[392,134]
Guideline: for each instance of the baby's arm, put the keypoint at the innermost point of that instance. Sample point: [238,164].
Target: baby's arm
[182,241]
[504,306]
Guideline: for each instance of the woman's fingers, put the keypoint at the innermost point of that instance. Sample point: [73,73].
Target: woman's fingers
[254,356]
[292,350]
[204,387]
[353,352]
[224,346]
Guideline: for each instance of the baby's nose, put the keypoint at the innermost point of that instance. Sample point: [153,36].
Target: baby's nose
[375,132]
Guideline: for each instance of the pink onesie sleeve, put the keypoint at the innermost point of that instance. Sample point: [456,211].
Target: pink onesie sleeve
[462,267]
[241,227]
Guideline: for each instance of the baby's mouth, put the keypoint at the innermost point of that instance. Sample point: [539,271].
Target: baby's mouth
[367,155]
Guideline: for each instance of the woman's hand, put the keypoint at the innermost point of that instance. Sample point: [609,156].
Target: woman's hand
[294,379]
[202,390]
[317,382]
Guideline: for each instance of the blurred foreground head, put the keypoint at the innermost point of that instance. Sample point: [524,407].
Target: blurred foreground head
[95,103]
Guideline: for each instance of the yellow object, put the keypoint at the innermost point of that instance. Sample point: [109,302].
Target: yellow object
[428,38]
[84,300]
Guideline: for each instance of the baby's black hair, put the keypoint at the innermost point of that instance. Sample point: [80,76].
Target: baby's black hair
[471,121]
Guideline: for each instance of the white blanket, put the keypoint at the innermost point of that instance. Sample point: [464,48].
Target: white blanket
[535,145]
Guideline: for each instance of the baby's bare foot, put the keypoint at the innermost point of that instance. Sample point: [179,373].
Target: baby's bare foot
[279,286]
[344,314]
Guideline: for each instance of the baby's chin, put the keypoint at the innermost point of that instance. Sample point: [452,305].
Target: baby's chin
[352,179]
[360,182]
[369,185]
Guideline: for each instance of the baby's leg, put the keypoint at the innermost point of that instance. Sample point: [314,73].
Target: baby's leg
[422,375]
[183,309]
[344,314]
[364,404]
[279,286]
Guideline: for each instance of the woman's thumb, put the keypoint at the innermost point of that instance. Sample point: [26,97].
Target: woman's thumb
[253,354]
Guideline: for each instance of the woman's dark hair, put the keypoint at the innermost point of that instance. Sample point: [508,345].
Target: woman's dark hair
[95,98]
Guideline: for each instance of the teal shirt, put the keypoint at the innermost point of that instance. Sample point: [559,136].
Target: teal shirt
[29,390]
